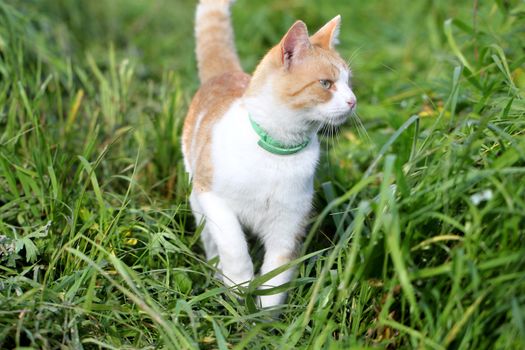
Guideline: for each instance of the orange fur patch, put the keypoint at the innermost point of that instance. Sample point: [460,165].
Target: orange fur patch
[298,86]
[295,66]
[215,49]
[209,104]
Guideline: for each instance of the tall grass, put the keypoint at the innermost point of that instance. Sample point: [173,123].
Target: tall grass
[418,237]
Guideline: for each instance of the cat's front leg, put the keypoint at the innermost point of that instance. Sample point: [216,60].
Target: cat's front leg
[281,242]
[225,230]
[210,248]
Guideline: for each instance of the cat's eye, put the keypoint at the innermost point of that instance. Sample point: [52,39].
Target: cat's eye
[326,84]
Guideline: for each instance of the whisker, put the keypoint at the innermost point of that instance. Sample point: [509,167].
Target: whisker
[319,127]
[334,131]
[332,136]
[361,128]
[338,137]
[356,126]
[353,55]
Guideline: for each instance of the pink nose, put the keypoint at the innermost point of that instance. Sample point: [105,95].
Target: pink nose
[351,103]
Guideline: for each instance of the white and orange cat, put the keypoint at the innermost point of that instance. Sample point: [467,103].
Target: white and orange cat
[250,143]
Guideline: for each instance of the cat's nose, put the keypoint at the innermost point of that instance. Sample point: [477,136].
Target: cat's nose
[351,103]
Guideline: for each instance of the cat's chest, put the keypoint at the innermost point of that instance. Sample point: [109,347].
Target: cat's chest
[251,177]
[259,192]
[250,170]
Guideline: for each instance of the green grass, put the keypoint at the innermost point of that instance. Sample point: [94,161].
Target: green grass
[98,249]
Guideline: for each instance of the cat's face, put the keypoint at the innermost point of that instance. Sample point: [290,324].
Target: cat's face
[307,76]
[317,87]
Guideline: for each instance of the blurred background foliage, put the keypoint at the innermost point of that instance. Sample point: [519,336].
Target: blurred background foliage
[417,241]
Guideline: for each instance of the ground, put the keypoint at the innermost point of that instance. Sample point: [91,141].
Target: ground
[418,235]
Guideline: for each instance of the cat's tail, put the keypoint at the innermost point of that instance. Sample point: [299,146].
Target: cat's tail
[215,49]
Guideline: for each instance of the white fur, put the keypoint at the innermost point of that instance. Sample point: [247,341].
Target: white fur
[206,6]
[270,194]
[267,193]
[292,127]
[282,123]
[337,109]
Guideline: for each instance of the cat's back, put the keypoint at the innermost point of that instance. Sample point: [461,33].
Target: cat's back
[210,103]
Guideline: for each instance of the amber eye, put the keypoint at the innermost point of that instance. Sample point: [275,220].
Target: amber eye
[326,84]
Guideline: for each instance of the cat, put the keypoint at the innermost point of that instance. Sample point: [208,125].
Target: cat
[250,143]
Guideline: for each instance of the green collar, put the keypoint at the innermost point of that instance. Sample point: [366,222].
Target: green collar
[274,146]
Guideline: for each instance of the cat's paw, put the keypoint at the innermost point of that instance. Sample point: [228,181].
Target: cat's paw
[237,278]
[271,301]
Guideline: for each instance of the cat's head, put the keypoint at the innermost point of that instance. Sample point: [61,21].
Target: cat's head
[306,75]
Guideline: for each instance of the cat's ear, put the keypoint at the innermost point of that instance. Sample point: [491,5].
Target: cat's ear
[294,44]
[327,36]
